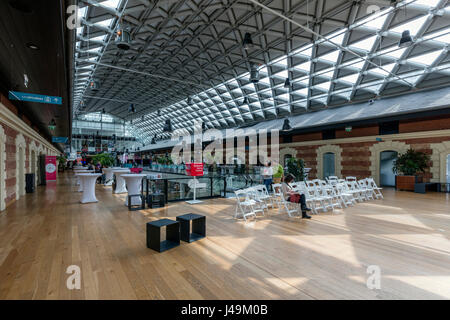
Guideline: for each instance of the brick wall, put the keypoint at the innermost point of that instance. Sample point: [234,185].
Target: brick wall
[11,130]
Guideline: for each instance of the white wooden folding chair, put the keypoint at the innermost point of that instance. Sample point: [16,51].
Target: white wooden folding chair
[244,204]
[376,190]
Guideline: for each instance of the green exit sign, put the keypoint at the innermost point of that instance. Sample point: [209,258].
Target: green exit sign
[348,129]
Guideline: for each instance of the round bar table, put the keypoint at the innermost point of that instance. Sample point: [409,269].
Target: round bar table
[120,182]
[109,175]
[88,183]
[80,188]
[133,181]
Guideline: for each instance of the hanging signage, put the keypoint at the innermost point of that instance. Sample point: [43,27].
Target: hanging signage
[194,169]
[60,139]
[32,97]
[50,168]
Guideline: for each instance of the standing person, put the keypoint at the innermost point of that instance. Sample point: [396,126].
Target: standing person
[267,175]
[278,173]
[293,196]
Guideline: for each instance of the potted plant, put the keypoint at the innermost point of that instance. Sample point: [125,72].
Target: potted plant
[61,162]
[297,168]
[406,168]
[105,159]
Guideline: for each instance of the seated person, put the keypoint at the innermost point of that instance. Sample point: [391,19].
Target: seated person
[293,196]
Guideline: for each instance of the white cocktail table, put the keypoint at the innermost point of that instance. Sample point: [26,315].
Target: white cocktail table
[133,181]
[120,182]
[80,188]
[88,183]
[109,175]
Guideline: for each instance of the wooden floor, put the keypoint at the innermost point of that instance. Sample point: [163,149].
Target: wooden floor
[407,235]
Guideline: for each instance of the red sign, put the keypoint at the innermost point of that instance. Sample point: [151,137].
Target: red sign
[194,169]
[50,168]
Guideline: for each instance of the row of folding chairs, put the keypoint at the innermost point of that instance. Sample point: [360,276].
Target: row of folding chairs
[321,195]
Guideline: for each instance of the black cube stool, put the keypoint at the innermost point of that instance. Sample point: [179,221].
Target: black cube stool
[136,207]
[154,235]
[156,200]
[198,227]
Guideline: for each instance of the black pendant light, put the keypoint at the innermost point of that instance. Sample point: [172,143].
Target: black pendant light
[248,42]
[286,125]
[123,38]
[254,73]
[131,108]
[245,102]
[168,126]
[406,39]
[153,140]
[287,83]
[189,101]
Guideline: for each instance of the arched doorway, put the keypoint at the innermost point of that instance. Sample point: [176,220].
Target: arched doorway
[2,169]
[387,176]
[329,168]
[20,166]
[448,169]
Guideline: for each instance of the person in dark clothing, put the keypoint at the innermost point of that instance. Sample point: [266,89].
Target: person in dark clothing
[292,196]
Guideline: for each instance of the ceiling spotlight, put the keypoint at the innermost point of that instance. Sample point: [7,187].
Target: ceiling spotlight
[248,42]
[371,101]
[32,46]
[254,73]
[52,124]
[103,111]
[405,40]
[286,125]
[123,38]
[158,112]
[287,83]
[168,126]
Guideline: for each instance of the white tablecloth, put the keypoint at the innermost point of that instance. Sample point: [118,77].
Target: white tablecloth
[80,188]
[88,183]
[109,175]
[120,182]
[134,187]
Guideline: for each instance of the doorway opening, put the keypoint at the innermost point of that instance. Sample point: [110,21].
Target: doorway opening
[21,176]
[447,176]
[329,168]
[387,176]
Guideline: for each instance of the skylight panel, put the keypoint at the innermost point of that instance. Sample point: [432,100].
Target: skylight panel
[428,3]
[81,12]
[413,26]
[352,78]
[365,44]
[281,61]
[304,81]
[427,58]
[113,4]
[302,91]
[338,36]
[356,63]
[375,20]
[387,67]
[325,86]
[441,36]
[332,56]
[265,80]
[282,74]
[105,23]
[304,51]
[284,96]
[394,52]
[98,38]
[305,66]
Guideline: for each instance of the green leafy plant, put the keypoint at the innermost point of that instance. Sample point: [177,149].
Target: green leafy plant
[105,159]
[410,163]
[297,168]
[61,159]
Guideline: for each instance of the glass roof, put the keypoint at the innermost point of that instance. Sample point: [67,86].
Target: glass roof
[317,72]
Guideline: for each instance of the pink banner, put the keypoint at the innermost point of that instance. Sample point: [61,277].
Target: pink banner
[50,168]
